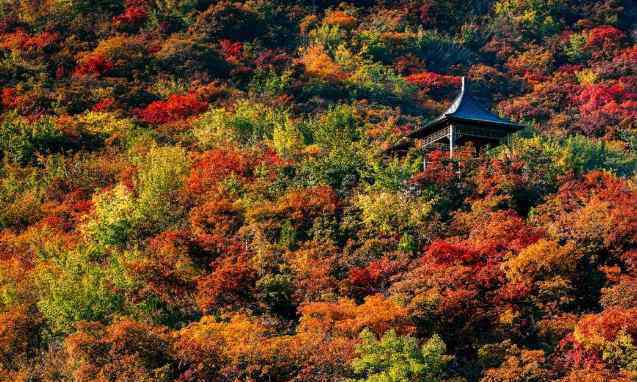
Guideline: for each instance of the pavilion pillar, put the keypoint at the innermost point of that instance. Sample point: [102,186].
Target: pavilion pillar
[451,141]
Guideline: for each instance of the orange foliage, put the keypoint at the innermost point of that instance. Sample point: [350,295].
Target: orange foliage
[123,351]
[167,271]
[591,375]
[520,365]
[21,40]
[345,318]
[231,283]
[340,18]
[318,63]
[313,266]
[533,64]
[96,64]
[299,206]
[593,330]
[234,349]
[597,212]
[18,334]
[219,164]
[214,223]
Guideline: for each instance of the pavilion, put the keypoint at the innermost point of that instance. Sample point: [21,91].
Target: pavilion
[466,120]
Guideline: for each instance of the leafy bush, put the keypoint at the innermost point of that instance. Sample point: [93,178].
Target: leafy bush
[535,18]
[247,123]
[73,287]
[176,107]
[182,55]
[228,20]
[335,132]
[396,358]
[114,221]
[161,174]
[388,212]
[121,215]
[328,36]
[21,140]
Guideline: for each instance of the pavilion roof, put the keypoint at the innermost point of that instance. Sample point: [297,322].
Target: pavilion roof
[466,109]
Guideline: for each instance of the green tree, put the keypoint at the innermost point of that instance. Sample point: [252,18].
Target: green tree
[21,140]
[160,177]
[120,215]
[74,286]
[396,358]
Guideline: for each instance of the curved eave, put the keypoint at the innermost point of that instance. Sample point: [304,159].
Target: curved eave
[510,126]
[431,126]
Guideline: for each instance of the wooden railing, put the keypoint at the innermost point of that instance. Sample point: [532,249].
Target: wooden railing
[435,136]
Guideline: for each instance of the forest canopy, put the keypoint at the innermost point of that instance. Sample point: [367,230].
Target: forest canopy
[198,190]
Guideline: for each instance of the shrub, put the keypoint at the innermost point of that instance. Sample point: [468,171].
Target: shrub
[319,63]
[287,138]
[21,140]
[176,107]
[117,56]
[340,18]
[181,55]
[121,215]
[576,47]
[439,51]
[533,18]
[216,165]
[73,287]
[228,20]
[160,176]
[327,36]
[247,123]
[19,328]
[388,212]
[123,350]
[105,124]
[602,35]
[378,82]
[133,17]
[337,127]
[114,219]
[275,292]
[398,359]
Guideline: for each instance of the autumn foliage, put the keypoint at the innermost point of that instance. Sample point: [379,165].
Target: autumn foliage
[202,191]
[176,107]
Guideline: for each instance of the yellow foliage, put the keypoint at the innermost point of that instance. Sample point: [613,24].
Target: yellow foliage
[237,339]
[121,47]
[104,123]
[586,77]
[287,138]
[508,316]
[534,59]
[391,212]
[541,258]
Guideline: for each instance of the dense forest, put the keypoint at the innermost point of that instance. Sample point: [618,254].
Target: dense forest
[198,190]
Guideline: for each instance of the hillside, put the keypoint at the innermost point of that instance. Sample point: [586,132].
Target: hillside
[198,190]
